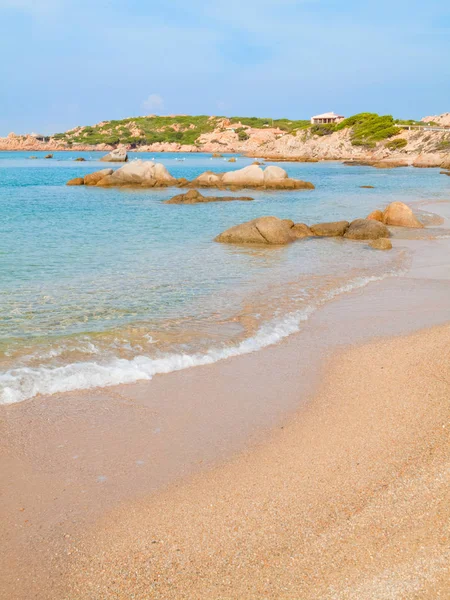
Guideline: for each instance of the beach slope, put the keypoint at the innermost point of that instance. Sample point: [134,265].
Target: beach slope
[348,501]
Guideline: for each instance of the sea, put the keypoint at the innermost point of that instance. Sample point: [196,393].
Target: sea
[100,287]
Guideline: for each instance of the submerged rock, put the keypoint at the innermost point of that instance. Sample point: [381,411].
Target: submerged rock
[399,214]
[264,230]
[381,244]
[232,160]
[195,197]
[366,229]
[117,155]
[94,178]
[367,187]
[76,181]
[332,229]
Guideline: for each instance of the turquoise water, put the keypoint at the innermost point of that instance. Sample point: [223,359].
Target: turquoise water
[102,286]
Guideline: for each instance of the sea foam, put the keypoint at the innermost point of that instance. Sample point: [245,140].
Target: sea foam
[23,383]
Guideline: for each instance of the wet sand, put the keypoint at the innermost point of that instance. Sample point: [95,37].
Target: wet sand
[120,464]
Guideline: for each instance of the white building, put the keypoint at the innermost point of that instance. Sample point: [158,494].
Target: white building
[329,117]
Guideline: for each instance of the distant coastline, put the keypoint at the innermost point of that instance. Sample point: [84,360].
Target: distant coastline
[366,137]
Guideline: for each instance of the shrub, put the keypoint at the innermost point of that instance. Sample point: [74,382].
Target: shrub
[242,135]
[369,128]
[325,129]
[443,145]
[397,144]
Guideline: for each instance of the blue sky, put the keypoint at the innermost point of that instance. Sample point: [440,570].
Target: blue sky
[76,62]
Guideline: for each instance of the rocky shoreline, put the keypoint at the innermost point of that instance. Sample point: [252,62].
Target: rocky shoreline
[420,147]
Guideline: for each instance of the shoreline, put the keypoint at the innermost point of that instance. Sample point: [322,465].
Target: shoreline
[72,458]
[416,160]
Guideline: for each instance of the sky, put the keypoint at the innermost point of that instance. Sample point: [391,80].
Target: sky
[77,62]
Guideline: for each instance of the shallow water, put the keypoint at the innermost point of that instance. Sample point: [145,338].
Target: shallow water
[110,286]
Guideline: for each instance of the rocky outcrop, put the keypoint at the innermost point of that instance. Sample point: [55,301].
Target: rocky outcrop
[445,173]
[396,214]
[366,229]
[94,178]
[399,214]
[427,162]
[376,215]
[141,173]
[117,155]
[331,229]
[76,181]
[251,177]
[264,230]
[195,197]
[381,244]
[377,164]
[300,230]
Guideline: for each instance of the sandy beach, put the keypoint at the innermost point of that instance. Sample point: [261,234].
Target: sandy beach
[315,468]
[349,500]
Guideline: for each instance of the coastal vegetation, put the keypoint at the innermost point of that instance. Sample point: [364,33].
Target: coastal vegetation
[366,130]
[397,144]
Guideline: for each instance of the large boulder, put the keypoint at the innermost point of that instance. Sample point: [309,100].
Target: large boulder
[117,155]
[332,229]
[399,214]
[143,173]
[76,181]
[300,230]
[376,215]
[381,244]
[251,176]
[264,230]
[94,178]
[274,173]
[366,229]
[207,179]
[195,197]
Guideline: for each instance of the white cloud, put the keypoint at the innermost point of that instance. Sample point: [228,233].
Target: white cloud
[154,103]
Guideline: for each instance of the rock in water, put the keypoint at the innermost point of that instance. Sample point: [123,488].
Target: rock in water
[94,178]
[376,215]
[117,155]
[49,156]
[399,214]
[143,173]
[76,181]
[264,230]
[251,176]
[381,244]
[80,159]
[366,229]
[333,229]
[300,230]
[194,197]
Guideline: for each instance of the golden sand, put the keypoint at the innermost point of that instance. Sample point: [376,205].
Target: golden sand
[348,501]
